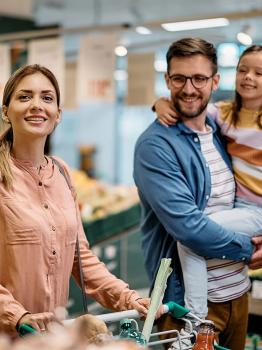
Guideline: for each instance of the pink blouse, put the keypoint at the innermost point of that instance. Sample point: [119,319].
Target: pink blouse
[38,228]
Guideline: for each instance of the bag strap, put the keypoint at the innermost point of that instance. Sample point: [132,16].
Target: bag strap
[80,267]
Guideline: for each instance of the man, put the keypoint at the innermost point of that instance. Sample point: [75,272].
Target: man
[173,176]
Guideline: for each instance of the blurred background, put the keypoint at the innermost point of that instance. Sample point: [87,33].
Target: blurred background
[109,58]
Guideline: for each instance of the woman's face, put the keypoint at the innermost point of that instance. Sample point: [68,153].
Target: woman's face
[33,110]
[249,80]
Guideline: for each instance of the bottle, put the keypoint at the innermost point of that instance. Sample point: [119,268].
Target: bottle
[205,336]
[128,332]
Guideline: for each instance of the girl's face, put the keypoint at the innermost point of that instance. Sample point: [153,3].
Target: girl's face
[33,110]
[249,80]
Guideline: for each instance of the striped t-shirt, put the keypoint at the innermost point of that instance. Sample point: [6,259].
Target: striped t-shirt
[245,148]
[226,279]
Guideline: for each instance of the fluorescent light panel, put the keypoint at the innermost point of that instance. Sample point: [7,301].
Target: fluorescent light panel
[143,30]
[244,38]
[198,24]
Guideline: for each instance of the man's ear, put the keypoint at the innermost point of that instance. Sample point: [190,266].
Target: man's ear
[167,80]
[216,79]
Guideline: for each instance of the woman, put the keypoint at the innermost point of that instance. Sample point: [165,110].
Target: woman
[39,219]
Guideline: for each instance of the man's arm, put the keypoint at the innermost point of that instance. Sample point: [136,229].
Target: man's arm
[162,182]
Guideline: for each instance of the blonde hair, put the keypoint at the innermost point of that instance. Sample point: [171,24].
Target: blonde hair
[6,134]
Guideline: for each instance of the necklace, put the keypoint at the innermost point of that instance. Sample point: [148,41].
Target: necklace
[43,165]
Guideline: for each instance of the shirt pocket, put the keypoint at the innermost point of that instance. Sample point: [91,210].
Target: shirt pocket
[21,222]
[23,236]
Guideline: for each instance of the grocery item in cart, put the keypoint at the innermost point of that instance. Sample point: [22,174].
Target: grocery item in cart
[205,336]
[128,331]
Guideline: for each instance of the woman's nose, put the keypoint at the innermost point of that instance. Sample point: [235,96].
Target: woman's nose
[36,103]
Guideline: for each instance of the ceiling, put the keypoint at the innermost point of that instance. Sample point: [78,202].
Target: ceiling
[122,16]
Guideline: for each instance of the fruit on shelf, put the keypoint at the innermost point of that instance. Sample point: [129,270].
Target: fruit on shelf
[98,199]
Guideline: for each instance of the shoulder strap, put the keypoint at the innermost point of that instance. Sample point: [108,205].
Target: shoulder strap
[62,171]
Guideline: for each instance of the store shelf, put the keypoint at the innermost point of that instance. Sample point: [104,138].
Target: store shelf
[108,227]
[118,232]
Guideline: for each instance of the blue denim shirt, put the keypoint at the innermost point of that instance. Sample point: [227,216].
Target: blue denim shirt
[174,185]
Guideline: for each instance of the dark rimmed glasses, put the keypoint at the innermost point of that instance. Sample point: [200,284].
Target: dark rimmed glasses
[198,81]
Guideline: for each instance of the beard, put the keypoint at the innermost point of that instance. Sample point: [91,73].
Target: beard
[189,114]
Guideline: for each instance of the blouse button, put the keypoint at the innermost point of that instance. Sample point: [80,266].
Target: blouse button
[46,206]
[54,252]
[40,183]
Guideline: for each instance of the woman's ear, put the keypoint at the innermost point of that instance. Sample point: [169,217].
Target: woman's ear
[59,116]
[4,115]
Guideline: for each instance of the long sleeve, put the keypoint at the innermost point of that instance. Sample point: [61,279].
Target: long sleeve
[169,182]
[100,284]
[10,311]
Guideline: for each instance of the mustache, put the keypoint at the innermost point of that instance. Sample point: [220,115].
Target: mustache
[184,94]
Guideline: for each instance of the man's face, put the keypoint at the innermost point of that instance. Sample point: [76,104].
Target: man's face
[191,101]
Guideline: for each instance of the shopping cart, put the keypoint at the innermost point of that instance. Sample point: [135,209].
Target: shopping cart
[179,341]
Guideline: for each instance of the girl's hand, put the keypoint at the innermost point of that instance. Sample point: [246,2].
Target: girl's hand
[166,113]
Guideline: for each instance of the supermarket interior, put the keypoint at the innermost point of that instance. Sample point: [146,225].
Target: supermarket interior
[109,57]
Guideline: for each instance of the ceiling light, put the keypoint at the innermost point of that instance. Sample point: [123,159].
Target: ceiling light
[198,24]
[143,30]
[244,37]
[121,51]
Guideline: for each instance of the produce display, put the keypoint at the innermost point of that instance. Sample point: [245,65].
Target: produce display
[98,199]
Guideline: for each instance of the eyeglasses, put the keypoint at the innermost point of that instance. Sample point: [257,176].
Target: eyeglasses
[198,81]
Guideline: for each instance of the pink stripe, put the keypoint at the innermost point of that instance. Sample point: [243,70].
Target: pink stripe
[246,194]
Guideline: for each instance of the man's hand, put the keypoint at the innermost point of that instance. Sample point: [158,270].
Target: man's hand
[256,260]
[38,321]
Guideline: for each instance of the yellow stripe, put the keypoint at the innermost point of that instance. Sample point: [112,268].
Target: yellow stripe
[252,183]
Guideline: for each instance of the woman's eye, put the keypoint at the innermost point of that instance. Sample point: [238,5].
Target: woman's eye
[24,97]
[48,98]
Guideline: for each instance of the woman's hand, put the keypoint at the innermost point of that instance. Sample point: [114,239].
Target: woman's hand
[166,113]
[142,306]
[38,321]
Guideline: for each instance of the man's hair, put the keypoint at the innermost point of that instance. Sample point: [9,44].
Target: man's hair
[190,47]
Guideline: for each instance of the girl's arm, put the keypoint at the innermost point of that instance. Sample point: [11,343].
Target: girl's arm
[167,115]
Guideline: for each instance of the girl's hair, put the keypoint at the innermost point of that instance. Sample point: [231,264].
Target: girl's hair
[6,138]
[237,104]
